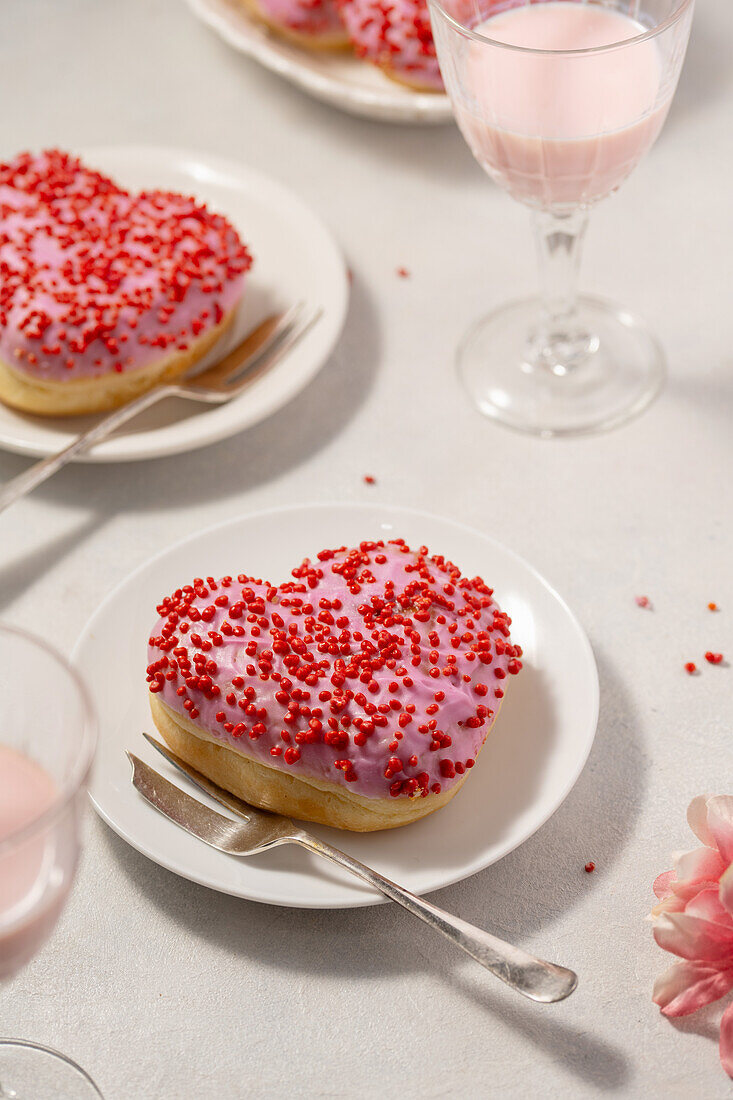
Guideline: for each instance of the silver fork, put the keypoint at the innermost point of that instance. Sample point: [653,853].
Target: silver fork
[259,831]
[261,349]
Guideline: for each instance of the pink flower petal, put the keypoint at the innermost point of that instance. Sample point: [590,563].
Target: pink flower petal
[695,939]
[707,904]
[697,819]
[687,986]
[661,885]
[696,867]
[726,890]
[720,823]
[686,891]
[667,905]
[726,1040]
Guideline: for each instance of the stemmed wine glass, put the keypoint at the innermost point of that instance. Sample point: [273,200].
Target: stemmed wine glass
[558,101]
[47,738]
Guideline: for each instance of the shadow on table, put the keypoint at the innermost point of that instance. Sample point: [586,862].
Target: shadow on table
[705,1022]
[23,571]
[596,818]
[435,153]
[263,453]
[592,1060]
[708,394]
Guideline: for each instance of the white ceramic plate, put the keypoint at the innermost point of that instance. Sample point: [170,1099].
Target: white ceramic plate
[295,258]
[340,79]
[528,765]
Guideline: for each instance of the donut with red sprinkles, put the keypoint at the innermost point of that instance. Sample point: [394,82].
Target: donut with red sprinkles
[357,694]
[105,292]
[395,35]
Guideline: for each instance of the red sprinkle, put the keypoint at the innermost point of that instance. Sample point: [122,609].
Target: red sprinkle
[369,480]
[642,601]
[713,658]
[590,866]
[691,667]
[403,273]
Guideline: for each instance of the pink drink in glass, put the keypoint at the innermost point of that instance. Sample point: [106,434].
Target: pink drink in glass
[47,736]
[555,130]
[558,101]
[35,871]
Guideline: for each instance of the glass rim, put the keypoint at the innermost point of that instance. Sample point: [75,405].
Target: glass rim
[57,1055]
[83,757]
[675,16]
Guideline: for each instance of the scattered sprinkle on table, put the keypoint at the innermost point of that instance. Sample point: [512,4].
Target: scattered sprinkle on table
[590,866]
[642,601]
[713,658]
[403,273]
[713,607]
[691,667]
[369,480]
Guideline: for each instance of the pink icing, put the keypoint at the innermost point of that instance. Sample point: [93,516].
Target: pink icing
[95,279]
[312,17]
[376,668]
[395,34]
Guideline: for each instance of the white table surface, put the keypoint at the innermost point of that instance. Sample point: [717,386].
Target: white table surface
[163,989]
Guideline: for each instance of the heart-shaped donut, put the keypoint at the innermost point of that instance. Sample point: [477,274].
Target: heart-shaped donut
[357,694]
[104,293]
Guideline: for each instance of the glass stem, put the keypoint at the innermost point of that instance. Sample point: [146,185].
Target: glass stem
[559,343]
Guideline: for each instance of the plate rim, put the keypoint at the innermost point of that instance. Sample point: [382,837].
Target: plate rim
[177,155]
[357,902]
[386,106]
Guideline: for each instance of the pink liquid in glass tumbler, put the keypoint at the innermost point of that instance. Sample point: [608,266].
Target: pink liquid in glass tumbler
[32,885]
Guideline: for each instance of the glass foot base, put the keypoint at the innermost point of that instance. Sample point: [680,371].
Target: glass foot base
[29,1071]
[620,375]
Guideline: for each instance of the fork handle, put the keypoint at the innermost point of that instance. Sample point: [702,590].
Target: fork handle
[534,978]
[39,472]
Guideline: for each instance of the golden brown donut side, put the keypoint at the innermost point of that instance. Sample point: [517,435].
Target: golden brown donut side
[414,85]
[283,793]
[80,396]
